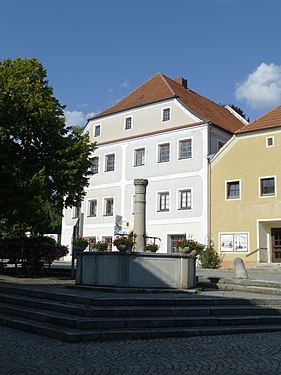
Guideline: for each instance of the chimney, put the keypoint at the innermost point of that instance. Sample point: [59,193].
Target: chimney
[182,81]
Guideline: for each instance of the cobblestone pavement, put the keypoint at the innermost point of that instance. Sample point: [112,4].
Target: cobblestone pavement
[249,354]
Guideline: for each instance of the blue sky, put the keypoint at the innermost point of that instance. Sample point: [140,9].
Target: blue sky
[98,51]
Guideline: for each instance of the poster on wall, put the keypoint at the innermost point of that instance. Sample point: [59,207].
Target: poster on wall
[234,242]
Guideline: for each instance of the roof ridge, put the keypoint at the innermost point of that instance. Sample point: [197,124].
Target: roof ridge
[160,88]
[164,78]
[131,92]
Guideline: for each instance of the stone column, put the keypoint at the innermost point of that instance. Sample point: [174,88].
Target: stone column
[140,220]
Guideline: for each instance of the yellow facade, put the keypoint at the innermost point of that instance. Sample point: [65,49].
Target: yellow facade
[245,198]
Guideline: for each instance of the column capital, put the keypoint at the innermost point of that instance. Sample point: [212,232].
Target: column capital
[140,181]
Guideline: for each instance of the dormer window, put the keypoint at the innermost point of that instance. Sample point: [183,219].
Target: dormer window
[128,123]
[166,114]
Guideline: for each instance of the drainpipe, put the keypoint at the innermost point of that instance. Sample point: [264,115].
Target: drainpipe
[209,184]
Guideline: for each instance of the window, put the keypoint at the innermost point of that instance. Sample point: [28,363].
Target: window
[166,114]
[164,153]
[269,142]
[185,199]
[108,207]
[92,240]
[76,212]
[95,165]
[139,157]
[163,201]
[185,149]
[109,162]
[93,208]
[267,186]
[220,144]
[108,240]
[128,123]
[233,189]
[97,131]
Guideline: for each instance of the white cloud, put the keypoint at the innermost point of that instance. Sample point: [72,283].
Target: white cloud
[77,118]
[90,114]
[262,88]
[125,84]
[82,105]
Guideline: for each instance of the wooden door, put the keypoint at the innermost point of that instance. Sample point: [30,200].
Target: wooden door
[276,244]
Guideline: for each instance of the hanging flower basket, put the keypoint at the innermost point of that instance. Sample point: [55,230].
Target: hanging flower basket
[80,244]
[189,246]
[184,250]
[152,247]
[124,243]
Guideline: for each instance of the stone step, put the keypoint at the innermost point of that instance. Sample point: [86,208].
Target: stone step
[108,323]
[210,306]
[73,317]
[111,300]
[76,335]
[242,285]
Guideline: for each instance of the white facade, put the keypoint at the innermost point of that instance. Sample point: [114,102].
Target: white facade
[165,144]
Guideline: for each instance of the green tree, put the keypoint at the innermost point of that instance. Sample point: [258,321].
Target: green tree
[44,165]
[239,111]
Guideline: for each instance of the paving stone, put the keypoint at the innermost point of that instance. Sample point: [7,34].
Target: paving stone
[243,354]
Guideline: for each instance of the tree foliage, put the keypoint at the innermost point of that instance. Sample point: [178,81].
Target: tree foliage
[239,111]
[44,164]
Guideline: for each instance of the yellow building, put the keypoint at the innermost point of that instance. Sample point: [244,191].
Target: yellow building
[245,194]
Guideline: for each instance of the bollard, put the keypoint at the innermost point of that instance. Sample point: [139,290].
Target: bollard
[240,270]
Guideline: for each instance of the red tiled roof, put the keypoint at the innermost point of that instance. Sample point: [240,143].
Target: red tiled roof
[161,87]
[269,120]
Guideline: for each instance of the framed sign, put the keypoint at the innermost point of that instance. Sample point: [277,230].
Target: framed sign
[234,242]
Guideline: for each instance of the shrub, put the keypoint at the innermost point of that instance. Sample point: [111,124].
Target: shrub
[31,249]
[100,246]
[209,258]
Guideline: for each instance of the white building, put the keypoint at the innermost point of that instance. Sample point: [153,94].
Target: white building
[163,132]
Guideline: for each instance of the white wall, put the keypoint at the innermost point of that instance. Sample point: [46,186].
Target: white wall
[167,176]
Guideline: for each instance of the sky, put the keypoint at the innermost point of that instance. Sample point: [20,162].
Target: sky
[98,51]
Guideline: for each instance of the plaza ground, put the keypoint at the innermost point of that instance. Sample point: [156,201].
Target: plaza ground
[259,353]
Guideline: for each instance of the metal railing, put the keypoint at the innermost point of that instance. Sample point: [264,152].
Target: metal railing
[255,251]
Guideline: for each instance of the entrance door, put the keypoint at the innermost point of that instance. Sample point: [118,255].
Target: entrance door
[276,244]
